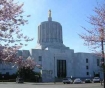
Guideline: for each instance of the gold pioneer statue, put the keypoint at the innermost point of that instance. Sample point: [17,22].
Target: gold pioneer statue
[49,13]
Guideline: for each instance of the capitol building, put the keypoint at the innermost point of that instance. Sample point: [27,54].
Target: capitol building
[56,59]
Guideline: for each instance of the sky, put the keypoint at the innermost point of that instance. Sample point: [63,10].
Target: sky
[71,14]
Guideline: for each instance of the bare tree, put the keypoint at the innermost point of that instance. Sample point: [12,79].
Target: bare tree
[95,37]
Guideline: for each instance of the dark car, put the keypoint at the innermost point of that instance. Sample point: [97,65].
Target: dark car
[67,81]
[88,81]
[19,80]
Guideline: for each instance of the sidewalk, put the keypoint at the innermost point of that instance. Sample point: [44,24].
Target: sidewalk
[45,83]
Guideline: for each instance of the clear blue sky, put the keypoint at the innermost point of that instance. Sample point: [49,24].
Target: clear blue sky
[72,14]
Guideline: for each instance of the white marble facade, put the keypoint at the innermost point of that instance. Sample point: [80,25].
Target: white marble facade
[76,65]
[50,50]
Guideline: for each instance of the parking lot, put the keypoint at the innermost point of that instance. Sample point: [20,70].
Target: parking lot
[48,85]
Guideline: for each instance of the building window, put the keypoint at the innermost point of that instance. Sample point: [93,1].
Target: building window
[87,73]
[0,61]
[86,60]
[87,67]
[61,68]
[97,62]
[40,58]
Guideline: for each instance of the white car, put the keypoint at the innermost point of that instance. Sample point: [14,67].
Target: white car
[96,79]
[77,80]
[19,80]
[67,80]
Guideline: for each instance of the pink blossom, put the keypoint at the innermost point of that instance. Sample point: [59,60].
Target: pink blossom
[10,34]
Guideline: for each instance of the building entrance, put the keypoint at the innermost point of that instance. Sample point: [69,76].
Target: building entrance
[61,68]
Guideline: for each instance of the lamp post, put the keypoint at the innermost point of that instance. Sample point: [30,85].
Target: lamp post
[54,68]
[90,76]
[3,78]
[103,60]
[71,77]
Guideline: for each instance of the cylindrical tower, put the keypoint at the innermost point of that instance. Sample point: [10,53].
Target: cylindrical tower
[50,31]
[49,34]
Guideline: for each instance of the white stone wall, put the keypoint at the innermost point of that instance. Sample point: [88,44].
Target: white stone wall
[48,63]
[80,64]
[75,63]
[25,54]
[7,68]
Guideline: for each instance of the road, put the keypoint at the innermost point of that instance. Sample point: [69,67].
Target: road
[48,85]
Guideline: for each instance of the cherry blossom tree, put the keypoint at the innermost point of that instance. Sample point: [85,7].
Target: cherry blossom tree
[95,37]
[26,67]
[11,36]
[25,63]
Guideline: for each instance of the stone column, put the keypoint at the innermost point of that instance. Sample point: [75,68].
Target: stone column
[57,33]
[60,34]
[45,32]
[38,34]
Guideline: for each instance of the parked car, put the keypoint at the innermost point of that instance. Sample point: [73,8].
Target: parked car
[88,81]
[67,81]
[19,80]
[96,79]
[77,81]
